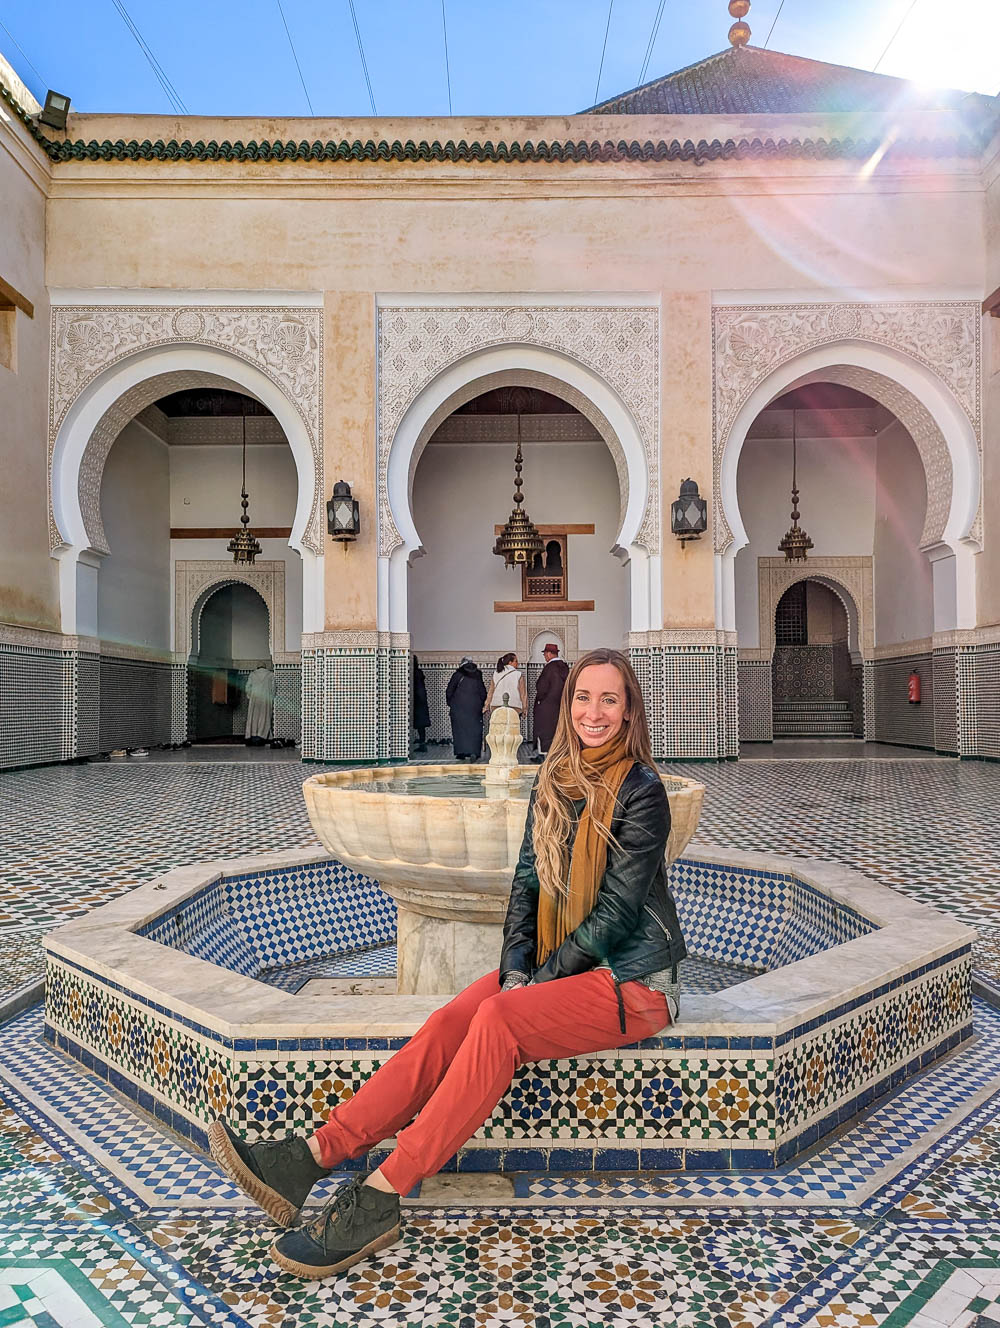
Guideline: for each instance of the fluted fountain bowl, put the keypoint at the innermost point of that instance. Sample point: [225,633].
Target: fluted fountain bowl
[444,845]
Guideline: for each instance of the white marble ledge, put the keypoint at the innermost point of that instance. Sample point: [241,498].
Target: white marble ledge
[765,1005]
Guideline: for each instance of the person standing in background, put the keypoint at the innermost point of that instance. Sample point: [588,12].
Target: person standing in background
[421,710]
[465,696]
[548,694]
[507,687]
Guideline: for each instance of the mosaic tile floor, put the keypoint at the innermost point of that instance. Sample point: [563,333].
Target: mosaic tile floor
[107,1220]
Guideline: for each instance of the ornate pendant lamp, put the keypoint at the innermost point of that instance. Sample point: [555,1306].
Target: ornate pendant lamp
[519,541]
[796,542]
[243,546]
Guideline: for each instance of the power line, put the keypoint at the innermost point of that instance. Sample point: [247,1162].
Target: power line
[652,40]
[295,57]
[912,6]
[773,21]
[171,92]
[361,52]
[447,67]
[23,52]
[607,28]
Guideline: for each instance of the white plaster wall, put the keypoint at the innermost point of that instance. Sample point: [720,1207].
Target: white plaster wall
[205,485]
[837,506]
[904,597]
[133,602]
[29,592]
[461,492]
[234,626]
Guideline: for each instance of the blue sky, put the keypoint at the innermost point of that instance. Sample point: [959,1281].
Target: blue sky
[518,57]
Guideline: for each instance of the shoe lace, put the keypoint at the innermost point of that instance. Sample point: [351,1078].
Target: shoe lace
[343,1205]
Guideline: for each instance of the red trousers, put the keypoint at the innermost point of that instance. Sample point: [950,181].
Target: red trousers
[458,1066]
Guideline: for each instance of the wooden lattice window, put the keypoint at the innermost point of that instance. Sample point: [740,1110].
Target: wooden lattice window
[548,576]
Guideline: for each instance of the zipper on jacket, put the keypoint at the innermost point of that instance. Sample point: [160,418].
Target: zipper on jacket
[662,927]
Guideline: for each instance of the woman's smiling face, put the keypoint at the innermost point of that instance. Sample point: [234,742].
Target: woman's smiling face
[598,706]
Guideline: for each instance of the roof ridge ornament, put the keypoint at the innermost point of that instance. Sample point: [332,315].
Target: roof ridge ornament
[739,33]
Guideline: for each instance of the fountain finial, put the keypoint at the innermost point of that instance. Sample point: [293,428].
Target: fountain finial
[504,738]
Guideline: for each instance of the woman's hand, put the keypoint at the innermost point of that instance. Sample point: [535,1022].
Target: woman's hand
[514,980]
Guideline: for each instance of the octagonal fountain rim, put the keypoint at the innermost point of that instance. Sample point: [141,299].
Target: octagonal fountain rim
[773,1005]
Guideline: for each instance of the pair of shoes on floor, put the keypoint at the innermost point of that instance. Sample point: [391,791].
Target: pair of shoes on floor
[278,1176]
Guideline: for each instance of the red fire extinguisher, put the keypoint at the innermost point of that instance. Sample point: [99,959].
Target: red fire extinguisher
[913,688]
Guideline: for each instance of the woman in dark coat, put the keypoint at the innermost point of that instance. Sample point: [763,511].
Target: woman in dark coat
[421,710]
[466,696]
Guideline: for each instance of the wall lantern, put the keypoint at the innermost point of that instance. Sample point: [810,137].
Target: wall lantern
[55,110]
[342,517]
[688,513]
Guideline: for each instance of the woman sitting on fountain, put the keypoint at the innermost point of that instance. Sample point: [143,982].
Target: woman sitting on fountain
[591,945]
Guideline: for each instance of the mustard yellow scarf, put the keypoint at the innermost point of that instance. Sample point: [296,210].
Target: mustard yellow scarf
[561,912]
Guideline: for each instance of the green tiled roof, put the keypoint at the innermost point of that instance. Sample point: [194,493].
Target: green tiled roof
[748,80]
[573,150]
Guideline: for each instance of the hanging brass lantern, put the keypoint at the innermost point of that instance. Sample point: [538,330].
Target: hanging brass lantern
[795,543]
[243,546]
[519,541]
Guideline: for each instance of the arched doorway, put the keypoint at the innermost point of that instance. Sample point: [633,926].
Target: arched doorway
[812,665]
[812,675]
[462,599]
[169,501]
[233,639]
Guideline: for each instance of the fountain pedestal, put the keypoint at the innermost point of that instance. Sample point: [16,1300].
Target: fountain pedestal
[444,940]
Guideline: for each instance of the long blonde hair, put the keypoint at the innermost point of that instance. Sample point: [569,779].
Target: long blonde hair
[564,776]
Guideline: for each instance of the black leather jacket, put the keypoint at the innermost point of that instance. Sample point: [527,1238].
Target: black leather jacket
[633,924]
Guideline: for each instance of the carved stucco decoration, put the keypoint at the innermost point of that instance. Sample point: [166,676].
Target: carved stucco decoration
[565,626]
[853,574]
[285,344]
[750,341]
[195,580]
[620,344]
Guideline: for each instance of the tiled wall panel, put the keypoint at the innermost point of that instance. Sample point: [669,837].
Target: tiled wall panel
[803,673]
[756,720]
[858,699]
[689,702]
[179,729]
[32,691]
[896,720]
[945,709]
[87,668]
[988,701]
[135,703]
[288,701]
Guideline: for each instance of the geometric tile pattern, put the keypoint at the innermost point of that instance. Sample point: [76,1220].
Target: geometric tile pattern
[821,1242]
[275,919]
[691,1094]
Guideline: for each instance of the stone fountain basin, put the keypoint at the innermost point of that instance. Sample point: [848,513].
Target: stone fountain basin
[850,989]
[450,843]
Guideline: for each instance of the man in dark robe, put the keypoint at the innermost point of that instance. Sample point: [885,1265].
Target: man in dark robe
[548,693]
[466,696]
[421,710]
